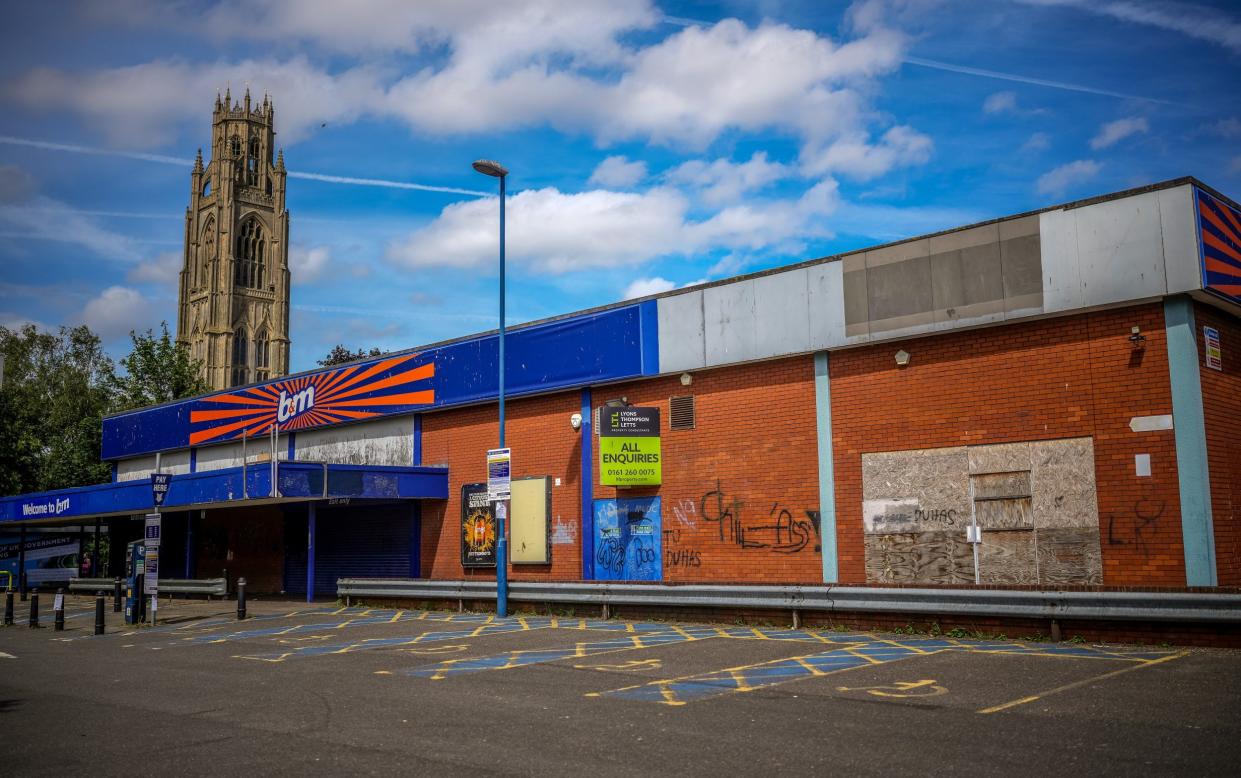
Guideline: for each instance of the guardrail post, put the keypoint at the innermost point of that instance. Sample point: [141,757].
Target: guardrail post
[241,599]
[34,610]
[118,594]
[58,608]
[1055,631]
[8,608]
[99,613]
[796,619]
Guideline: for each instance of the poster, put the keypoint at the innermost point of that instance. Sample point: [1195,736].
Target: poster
[478,527]
[49,559]
[628,540]
[629,447]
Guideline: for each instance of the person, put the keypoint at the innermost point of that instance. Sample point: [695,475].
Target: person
[87,566]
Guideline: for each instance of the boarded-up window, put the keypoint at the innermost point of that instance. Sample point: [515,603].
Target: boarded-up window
[531,504]
[1002,501]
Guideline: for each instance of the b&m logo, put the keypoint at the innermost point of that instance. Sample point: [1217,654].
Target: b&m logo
[288,407]
[393,385]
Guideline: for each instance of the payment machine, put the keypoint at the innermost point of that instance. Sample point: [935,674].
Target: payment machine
[135,567]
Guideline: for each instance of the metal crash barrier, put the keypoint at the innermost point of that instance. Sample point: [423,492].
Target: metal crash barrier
[210,587]
[1032,604]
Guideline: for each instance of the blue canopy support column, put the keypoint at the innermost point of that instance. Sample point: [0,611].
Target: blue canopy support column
[310,553]
[21,563]
[189,544]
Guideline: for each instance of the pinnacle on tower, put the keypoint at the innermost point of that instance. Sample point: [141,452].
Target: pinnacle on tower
[280,160]
[228,97]
[198,159]
[247,99]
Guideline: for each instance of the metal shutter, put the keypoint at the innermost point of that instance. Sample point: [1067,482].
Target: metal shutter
[351,542]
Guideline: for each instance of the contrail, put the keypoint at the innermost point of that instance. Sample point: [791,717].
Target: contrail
[951,68]
[181,162]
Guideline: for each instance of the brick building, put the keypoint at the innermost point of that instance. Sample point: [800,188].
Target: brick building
[1065,381]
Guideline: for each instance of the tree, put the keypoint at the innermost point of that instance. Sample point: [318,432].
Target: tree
[339,355]
[56,390]
[157,370]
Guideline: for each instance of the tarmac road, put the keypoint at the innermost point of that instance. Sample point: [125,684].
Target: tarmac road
[317,688]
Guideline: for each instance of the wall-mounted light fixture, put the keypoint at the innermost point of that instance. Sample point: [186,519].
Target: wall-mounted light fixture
[686,379]
[902,358]
[617,402]
[1136,337]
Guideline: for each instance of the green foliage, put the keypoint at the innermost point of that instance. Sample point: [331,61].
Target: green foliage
[339,355]
[57,387]
[158,370]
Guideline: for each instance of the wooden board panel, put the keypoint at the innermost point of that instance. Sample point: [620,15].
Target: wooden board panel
[919,557]
[1007,557]
[1004,514]
[998,485]
[1069,556]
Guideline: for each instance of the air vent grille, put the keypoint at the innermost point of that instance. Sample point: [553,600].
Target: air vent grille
[681,412]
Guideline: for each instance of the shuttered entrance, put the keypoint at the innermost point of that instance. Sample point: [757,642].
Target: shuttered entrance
[352,541]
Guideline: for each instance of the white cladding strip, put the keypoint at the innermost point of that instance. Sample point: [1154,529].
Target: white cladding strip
[1133,248]
[141,467]
[384,442]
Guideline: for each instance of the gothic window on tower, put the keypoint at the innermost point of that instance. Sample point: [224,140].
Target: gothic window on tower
[249,268]
[234,147]
[261,345]
[241,365]
[252,163]
[206,253]
[207,188]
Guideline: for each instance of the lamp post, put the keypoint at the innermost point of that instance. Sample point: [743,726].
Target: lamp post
[494,169]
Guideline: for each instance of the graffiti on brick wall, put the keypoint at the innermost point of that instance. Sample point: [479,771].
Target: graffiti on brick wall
[1121,531]
[780,530]
[628,539]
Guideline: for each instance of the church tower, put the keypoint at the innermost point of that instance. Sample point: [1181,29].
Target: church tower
[233,310]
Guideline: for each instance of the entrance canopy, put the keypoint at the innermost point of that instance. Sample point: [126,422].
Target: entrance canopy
[231,487]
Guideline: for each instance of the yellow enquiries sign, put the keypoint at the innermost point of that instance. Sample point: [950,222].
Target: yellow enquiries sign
[629,451]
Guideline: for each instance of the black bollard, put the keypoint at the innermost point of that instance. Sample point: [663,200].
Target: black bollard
[99,613]
[34,609]
[58,611]
[21,585]
[118,594]
[241,599]
[8,608]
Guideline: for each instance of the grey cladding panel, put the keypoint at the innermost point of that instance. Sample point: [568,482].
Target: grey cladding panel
[827,305]
[1120,249]
[729,326]
[1023,273]
[899,289]
[1180,239]
[681,342]
[782,317]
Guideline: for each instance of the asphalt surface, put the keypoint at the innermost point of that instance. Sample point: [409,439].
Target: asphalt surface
[300,688]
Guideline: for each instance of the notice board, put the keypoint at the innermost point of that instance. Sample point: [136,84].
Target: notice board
[530,520]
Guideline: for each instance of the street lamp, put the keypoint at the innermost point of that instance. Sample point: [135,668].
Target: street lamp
[494,169]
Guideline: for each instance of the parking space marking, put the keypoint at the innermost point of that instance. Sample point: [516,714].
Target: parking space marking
[878,651]
[1076,684]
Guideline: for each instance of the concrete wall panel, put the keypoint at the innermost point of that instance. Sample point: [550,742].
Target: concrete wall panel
[386,442]
[1062,283]
[729,326]
[782,315]
[1180,239]
[1120,249]
[826,303]
[681,342]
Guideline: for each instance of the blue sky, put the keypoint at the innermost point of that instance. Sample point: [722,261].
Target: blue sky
[652,145]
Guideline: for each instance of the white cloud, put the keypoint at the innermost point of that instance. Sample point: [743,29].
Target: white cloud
[641,287]
[556,232]
[618,172]
[306,265]
[116,311]
[42,218]
[1114,132]
[165,268]
[143,105]
[856,157]
[1039,141]
[1000,102]
[1059,180]
[521,64]
[1193,20]
[724,181]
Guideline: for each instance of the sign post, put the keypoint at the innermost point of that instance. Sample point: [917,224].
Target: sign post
[499,488]
[629,447]
[151,537]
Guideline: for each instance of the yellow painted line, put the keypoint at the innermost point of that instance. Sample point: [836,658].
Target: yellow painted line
[340,610]
[813,670]
[383,672]
[396,617]
[1010,652]
[344,624]
[759,633]
[871,659]
[1077,684]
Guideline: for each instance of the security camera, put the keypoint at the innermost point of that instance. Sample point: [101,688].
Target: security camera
[575,421]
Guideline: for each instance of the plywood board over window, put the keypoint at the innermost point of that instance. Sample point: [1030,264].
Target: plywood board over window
[1035,502]
[530,521]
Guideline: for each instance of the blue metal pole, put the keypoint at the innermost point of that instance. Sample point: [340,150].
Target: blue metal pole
[310,554]
[502,541]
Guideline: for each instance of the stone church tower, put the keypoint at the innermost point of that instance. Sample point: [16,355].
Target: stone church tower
[233,311]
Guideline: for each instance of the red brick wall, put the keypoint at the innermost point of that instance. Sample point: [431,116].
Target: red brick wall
[753,455]
[1057,378]
[543,444]
[1221,405]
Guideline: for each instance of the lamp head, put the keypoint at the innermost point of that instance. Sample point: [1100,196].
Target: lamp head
[490,167]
